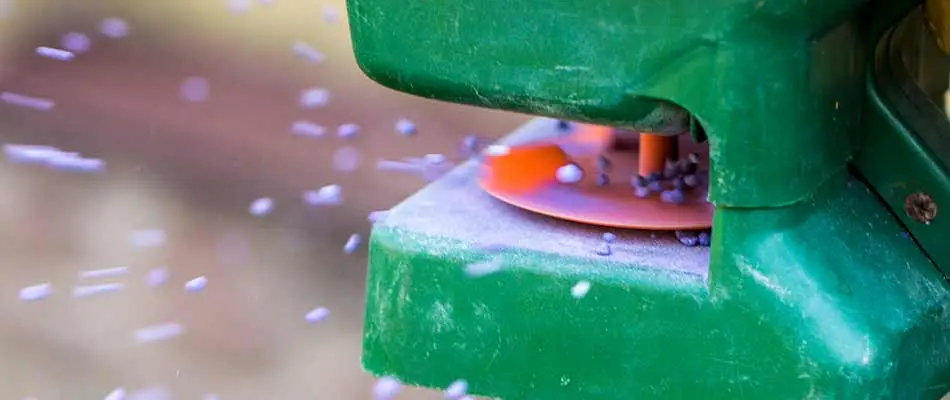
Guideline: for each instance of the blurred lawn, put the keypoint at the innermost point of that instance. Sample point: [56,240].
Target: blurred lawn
[192,170]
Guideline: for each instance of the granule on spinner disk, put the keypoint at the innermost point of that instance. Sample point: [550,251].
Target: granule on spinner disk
[261,207]
[580,289]
[317,314]
[386,388]
[569,174]
[497,150]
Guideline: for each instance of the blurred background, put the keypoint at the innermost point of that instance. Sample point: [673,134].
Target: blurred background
[190,105]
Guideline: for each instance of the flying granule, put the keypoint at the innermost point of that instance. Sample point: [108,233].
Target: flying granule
[307,52]
[92,290]
[347,131]
[240,6]
[405,127]
[20,100]
[74,163]
[456,390]
[151,393]
[52,157]
[36,292]
[156,277]
[54,53]
[331,14]
[347,159]
[196,284]
[352,243]
[76,42]
[307,128]
[327,195]
[29,154]
[6,6]
[314,98]
[377,216]
[317,314]
[116,394]
[386,388]
[103,273]
[261,207]
[147,238]
[114,28]
[195,89]
[158,332]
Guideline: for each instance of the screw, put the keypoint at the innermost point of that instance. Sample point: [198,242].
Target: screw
[921,207]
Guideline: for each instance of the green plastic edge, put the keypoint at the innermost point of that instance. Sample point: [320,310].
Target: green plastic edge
[897,162]
[760,76]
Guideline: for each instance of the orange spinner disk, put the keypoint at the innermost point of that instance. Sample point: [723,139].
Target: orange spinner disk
[525,176]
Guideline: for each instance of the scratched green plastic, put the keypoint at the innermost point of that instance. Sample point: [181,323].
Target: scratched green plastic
[826,299]
[816,291]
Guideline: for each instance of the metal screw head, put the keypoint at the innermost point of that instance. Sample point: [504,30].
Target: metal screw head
[921,207]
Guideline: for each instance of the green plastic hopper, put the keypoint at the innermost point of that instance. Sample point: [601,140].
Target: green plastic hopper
[826,275]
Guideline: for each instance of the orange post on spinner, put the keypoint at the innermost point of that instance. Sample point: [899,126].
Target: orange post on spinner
[523,168]
[654,151]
